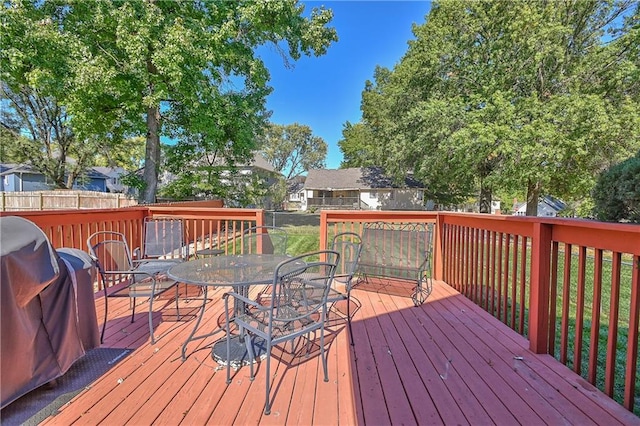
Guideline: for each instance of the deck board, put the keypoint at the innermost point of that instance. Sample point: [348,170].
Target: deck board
[427,390]
[396,391]
[494,392]
[446,362]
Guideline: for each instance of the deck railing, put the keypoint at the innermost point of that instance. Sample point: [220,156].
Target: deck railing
[572,287]
[206,227]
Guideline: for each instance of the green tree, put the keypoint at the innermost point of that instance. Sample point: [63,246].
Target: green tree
[181,69]
[129,155]
[34,64]
[278,193]
[292,149]
[355,144]
[511,96]
[10,139]
[39,133]
[617,192]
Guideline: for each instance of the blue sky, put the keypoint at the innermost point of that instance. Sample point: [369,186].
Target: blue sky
[325,92]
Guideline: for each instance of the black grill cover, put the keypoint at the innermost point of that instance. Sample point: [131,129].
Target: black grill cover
[48,316]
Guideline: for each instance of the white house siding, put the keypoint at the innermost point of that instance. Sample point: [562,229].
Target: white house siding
[393,199]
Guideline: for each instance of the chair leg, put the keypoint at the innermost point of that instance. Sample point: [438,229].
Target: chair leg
[228,330]
[324,356]
[308,354]
[252,356]
[106,310]
[177,296]
[153,339]
[267,404]
[349,317]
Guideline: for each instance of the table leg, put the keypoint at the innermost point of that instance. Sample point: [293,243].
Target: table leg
[192,336]
[237,344]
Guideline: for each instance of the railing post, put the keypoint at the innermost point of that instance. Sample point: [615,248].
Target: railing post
[438,259]
[323,230]
[540,288]
[260,218]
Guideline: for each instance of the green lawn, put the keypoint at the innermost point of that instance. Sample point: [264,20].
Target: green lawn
[302,239]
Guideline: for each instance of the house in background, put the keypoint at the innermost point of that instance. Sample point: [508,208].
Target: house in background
[24,177]
[295,193]
[548,206]
[115,174]
[366,188]
[21,177]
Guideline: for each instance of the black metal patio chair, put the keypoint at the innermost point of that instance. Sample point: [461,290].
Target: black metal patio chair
[297,309]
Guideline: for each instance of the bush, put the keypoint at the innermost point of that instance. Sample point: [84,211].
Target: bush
[616,195]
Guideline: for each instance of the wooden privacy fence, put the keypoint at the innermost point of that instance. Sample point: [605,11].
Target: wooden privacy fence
[62,200]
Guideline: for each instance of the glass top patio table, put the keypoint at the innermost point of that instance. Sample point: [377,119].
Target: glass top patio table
[231,270]
[237,271]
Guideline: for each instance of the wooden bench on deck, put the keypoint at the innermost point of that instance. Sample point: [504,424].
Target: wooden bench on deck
[398,251]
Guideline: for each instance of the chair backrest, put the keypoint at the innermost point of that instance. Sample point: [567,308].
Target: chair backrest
[164,237]
[349,245]
[110,251]
[264,240]
[300,288]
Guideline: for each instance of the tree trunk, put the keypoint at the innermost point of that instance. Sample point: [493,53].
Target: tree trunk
[152,148]
[533,197]
[485,199]
[70,178]
[152,156]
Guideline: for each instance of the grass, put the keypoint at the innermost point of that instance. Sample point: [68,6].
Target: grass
[302,239]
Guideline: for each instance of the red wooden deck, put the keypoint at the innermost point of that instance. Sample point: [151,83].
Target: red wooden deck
[446,362]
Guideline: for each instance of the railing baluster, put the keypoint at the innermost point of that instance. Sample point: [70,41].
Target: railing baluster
[612,337]
[632,347]
[595,316]
[566,299]
[522,287]
[553,296]
[579,328]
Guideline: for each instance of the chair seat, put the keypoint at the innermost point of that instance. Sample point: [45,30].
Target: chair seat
[336,296]
[258,321]
[144,288]
[337,290]
[155,266]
